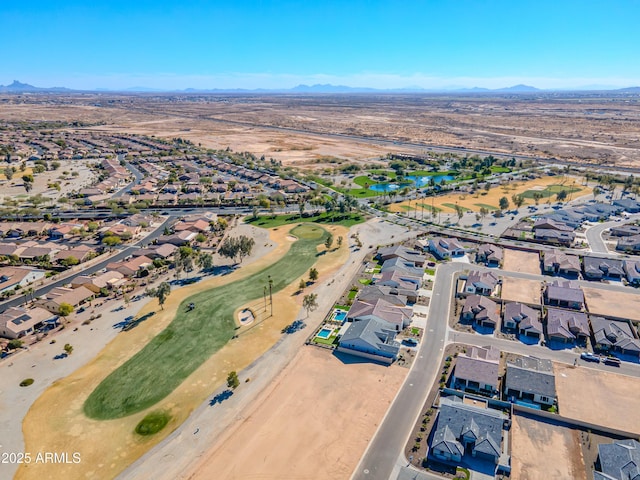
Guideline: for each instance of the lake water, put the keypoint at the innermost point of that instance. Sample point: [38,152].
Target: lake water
[420,182]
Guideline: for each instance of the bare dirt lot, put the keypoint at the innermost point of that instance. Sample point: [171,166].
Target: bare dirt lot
[606,302]
[604,398]
[542,451]
[354,397]
[491,199]
[519,261]
[298,128]
[521,290]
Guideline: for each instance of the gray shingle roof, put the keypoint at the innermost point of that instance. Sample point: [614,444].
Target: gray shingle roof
[377,334]
[531,375]
[620,460]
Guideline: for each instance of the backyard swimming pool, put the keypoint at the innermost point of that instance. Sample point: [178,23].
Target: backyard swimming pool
[340,315]
[324,333]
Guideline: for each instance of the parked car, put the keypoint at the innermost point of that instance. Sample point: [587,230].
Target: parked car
[412,342]
[613,361]
[590,357]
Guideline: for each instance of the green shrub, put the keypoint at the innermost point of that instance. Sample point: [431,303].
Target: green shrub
[26,382]
[153,422]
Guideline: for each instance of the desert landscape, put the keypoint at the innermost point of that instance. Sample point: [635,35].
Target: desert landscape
[302,130]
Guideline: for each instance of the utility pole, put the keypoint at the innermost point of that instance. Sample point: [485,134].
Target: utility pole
[271,294]
[264,296]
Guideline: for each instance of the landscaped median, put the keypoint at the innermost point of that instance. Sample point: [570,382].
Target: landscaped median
[194,335]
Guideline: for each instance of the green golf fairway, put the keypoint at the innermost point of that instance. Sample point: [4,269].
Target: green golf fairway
[192,337]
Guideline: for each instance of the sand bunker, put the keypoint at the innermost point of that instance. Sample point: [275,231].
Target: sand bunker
[245,316]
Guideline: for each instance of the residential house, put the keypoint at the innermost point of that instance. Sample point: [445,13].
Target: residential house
[477,371]
[16,322]
[531,379]
[567,326]
[489,254]
[629,244]
[481,310]
[558,237]
[557,262]
[629,205]
[524,319]
[64,230]
[403,252]
[10,249]
[598,268]
[398,297]
[163,251]
[120,229]
[79,252]
[107,280]
[564,294]
[632,270]
[624,230]
[396,278]
[130,268]
[406,266]
[481,283]
[619,460]
[37,253]
[614,335]
[198,226]
[371,338]
[551,224]
[59,295]
[443,248]
[137,220]
[381,309]
[179,239]
[18,277]
[462,428]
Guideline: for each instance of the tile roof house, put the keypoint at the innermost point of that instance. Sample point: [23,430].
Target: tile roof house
[490,254]
[524,319]
[59,295]
[445,247]
[95,284]
[80,252]
[179,239]
[462,428]
[564,294]
[197,226]
[477,371]
[619,460]
[567,326]
[131,267]
[614,335]
[629,205]
[163,250]
[481,283]
[531,379]
[371,338]
[403,252]
[481,310]
[598,268]
[16,322]
[397,315]
[556,262]
[12,277]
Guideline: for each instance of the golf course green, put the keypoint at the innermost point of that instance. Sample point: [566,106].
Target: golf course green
[193,336]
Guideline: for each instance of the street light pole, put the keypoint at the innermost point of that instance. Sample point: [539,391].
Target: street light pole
[264,296]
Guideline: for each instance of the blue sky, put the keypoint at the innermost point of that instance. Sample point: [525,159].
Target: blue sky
[280,44]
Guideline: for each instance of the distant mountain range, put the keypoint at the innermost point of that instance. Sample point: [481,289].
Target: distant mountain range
[18,87]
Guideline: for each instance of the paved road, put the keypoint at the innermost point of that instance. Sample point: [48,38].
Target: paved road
[387,446]
[385,454]
[594,234]
[126,251]
[567,356]
[138,178]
